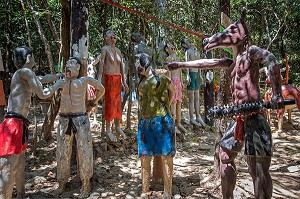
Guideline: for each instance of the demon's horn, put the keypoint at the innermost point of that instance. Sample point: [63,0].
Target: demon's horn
[243,15]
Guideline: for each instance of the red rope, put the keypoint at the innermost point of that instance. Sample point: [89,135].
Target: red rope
[153,18]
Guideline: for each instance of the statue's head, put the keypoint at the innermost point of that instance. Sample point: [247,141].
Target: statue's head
[73,67]
[143,62]
[169,49]
[136,37]
[186,43]
[23,55]
[235,34]
[109,37]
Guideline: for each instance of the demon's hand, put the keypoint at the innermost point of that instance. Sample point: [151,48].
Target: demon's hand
[277,102]
[174,65]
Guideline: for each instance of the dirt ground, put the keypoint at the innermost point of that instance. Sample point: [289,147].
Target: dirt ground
[117,168]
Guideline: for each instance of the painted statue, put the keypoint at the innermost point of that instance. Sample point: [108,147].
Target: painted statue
[193,79]
[156,130]
[112,72]
[176,78]
[91,91]
[251,129]
[14,129]
[74,122]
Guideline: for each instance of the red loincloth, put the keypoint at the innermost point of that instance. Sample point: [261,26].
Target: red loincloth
[112,97]
[239,129]
[11,134]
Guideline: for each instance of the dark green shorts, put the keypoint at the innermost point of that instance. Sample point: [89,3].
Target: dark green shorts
[195,81]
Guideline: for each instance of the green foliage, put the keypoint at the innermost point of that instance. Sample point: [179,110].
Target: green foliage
[272,24]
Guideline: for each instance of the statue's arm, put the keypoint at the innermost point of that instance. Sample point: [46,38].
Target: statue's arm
[202,64]
[98,86]
[48,78]
[267,58]
[101,64]
[35,84]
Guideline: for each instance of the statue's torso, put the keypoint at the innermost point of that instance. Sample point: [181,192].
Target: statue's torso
[245,76]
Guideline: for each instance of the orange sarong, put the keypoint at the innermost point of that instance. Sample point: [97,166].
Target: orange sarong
[2,95]
[112,97]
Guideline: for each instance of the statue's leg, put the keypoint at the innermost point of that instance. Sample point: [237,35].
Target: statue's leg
[173,111]
[119,131]
[191,106]
[289,116]
[178,116]
[63,157]
[20,176]
[167,162]
[197,109]
[8,166]
[280,114]
[157,169]
[259,171]
[85,157]
[228,172]
[146,172]
[109,133]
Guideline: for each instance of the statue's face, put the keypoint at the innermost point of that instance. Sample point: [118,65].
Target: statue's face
[139,68]
[171,49]
[72,68]
[111,37]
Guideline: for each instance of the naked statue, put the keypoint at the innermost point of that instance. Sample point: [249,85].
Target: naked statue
[74,122]
[112,72]
[14,129]
[176,78]
[252,129]
[193,79]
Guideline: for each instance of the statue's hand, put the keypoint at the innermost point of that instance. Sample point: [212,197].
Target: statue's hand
[277,102]
[173,65]
[61,83]
[226,62]
[90,104]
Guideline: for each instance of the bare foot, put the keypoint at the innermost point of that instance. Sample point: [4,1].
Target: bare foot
[111,136]
[85,189]
[167,195]
[181,128]
[119,130]
[193,122]
[61,188]
[200,121]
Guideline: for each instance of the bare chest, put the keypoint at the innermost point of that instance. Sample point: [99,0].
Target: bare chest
[242,66]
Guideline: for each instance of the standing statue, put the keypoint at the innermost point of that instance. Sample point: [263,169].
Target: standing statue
[140,47]
[193,79]
[14,129]
[176,78]
[73,122]
[91,91]
[156,130]
[112,72]
[251,127]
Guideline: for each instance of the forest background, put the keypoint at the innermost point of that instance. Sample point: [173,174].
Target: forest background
[273,24]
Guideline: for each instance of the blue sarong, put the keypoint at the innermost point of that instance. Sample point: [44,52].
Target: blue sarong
[156,136]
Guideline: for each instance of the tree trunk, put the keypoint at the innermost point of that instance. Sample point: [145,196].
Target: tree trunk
[223,95]
[65,53]
[43,37]
[209,93]
[43,4]
[26,23]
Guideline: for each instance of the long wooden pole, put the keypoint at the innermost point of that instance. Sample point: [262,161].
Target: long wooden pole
[153,18]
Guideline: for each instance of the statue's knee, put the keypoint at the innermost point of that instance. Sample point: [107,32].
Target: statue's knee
[226,156]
